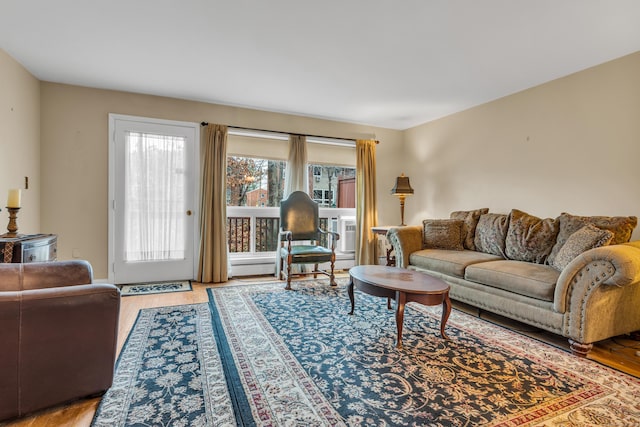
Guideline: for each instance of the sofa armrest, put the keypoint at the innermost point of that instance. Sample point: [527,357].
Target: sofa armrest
[615,265]
[40,275]
[61,346]
[599,293]
[405,241]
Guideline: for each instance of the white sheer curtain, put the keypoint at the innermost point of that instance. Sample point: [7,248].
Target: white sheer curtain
[296,177]
[154,200]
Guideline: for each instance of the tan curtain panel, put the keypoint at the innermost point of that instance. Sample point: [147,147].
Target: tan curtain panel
[366,205]
[213,262]
[295,174]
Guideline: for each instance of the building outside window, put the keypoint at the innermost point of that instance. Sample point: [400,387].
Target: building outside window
[332,186]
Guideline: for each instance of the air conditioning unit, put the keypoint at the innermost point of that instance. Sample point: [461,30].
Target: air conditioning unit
[347,231]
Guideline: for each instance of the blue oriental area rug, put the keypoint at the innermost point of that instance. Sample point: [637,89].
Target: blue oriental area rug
[264,356]
[169,373]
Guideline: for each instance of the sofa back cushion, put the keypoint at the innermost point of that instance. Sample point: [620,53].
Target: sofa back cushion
[620,226]
[491,232]
[443,234]
[588,237]
[470,219]
[530,238]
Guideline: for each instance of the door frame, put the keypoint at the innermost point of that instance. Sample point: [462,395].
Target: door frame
[112,185]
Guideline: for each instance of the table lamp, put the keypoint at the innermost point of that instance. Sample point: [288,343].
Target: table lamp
[402,189]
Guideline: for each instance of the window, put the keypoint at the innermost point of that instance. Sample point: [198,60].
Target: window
[317,173]
[256,164]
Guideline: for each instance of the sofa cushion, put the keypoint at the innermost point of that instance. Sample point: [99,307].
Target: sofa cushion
[443,234]
[588,237]
[491,232]
[450,262]
[470,219]
[620,226]
[521,277]
[530,238]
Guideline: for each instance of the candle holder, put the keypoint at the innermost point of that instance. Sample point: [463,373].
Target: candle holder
[12,227]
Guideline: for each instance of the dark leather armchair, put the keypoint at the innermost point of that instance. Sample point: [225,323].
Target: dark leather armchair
[300,234]
[58,333]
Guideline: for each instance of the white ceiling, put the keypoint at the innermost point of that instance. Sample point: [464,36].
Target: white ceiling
[388,63]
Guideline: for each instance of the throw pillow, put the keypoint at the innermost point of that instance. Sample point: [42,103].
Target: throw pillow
[588,237]
[470,219]
[620,226]
[443,234]
[491,232]
[530,238]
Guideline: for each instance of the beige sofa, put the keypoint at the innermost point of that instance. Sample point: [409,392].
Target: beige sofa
[575,276]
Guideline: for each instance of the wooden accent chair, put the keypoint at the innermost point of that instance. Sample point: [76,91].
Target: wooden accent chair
[300,236]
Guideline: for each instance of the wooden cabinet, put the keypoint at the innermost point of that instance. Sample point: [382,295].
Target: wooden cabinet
[29,248]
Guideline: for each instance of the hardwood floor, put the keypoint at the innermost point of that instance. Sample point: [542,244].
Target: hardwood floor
[618,353]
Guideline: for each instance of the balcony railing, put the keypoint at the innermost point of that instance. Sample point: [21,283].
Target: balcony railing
[254,230]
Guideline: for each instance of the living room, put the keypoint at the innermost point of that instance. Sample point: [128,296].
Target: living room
[566,144]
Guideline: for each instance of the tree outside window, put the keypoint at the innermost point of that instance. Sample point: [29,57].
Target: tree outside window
[254,182]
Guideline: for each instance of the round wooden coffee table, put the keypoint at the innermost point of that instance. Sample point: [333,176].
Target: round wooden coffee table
[403,286]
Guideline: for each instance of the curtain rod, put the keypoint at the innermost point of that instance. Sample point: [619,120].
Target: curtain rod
[275,131]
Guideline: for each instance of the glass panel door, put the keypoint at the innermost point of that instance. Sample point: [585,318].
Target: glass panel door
[153,201]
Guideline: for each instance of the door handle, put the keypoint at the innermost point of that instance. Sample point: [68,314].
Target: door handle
[189,212]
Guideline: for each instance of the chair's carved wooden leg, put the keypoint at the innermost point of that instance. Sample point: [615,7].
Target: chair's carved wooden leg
[288,287]
[332,277]
[315,271]
[580,349]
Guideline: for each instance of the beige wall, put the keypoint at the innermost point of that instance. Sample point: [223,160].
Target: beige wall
[75,155]
[570,145]
[19,142]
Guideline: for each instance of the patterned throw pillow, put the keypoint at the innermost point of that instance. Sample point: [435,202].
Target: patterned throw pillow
[530,238]
[620,226]
[470,219]
[443,234]
[491,232]
[588,237]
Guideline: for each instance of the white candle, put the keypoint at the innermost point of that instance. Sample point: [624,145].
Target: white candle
[13,201]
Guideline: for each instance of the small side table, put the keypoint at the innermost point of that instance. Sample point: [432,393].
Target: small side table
[382,230]
[26,248]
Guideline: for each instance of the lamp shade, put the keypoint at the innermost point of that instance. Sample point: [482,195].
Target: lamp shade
[402,185]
